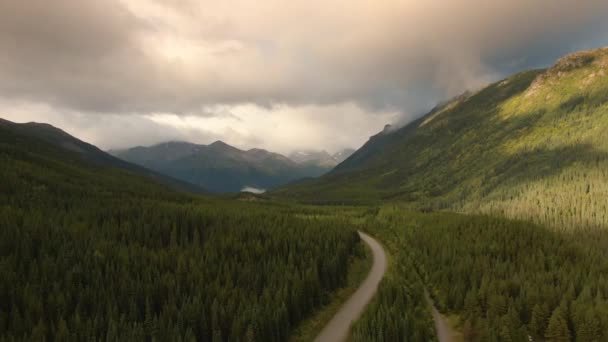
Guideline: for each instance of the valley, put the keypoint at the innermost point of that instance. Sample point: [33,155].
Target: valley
[484,220]
[119,256]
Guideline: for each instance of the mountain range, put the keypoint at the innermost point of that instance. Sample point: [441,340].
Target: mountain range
[39,134]
[221,168]
[217,167]
[531,146]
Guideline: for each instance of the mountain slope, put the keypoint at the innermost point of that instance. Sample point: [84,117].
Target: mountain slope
[220,167]
[76,149]
[530,146]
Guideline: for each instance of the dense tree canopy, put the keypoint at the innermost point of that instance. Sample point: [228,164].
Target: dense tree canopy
[94,253]
[507,280]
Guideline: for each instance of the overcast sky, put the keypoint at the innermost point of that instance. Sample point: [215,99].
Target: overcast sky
[276,74]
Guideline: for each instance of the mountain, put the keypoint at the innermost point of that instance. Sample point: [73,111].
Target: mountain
[530,146]
[220,167]
[73,147]
[341,156]
[321,158]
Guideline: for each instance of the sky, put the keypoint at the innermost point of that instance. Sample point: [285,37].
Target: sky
[273,74]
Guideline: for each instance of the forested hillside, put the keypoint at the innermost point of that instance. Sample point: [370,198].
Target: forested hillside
[506,280]
[91,252]
[67,147]
[531,146]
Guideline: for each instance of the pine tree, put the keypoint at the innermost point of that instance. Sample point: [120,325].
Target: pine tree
[250,334]
[589,329]
[62,333]
[557,330]
[538,321]
[217,336]
[39,332]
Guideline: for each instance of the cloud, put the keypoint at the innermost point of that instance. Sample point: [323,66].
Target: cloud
[67,53]
[284,128]
[207,59]
[280,129]
[107,131]
[178,56]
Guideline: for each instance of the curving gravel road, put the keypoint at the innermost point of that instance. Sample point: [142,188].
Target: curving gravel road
[338,328]
[444,332]
[443,329]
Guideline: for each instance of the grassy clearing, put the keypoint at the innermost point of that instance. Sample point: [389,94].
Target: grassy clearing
[358,269]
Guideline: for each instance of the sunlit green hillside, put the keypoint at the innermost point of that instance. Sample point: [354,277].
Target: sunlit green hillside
[531,146]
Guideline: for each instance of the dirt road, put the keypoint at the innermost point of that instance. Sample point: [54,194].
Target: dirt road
[338,328]
[444,331]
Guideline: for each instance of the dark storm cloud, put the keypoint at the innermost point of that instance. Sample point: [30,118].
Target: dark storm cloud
[64,52]
[142,56]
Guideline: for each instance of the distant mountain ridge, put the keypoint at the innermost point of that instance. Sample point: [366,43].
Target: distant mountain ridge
[220,167]
[321,158]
